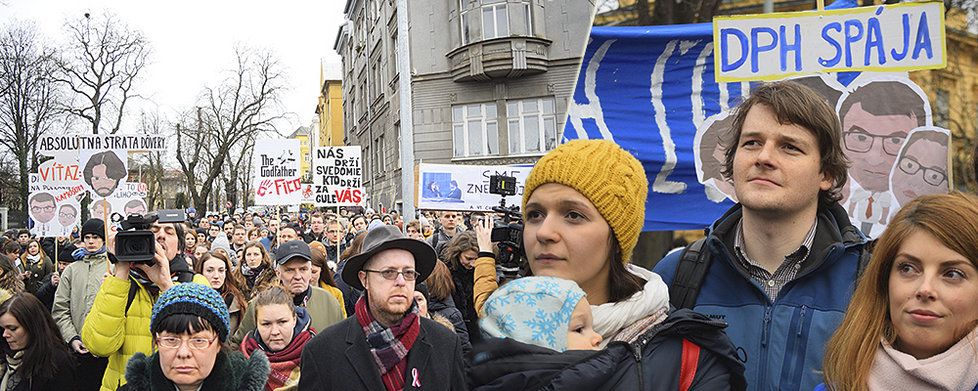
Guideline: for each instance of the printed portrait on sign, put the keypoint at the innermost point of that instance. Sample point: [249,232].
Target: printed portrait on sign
[921,165]
[876,118]
[709,151]
[42,207]
[103,173]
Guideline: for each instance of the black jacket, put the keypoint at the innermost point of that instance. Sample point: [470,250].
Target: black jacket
[464,280]
[62,376]
[339,359]
[653,362]
[447,309]
[46,292]
[232,372]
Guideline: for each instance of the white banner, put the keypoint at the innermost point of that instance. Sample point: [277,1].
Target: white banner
[129,142]
[276,165]
[884,38]
[465,187]
[337,176]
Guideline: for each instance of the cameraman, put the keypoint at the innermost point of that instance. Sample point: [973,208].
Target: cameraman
[118,325]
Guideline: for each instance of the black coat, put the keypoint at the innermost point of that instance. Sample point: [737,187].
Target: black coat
[447,309]
[463,297]
[339,359]
[232,372]
[62,378]
[653,362]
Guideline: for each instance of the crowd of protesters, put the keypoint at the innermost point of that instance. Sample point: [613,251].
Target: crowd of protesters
[790,295]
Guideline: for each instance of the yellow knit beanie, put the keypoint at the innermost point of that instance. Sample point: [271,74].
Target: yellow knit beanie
[607,175]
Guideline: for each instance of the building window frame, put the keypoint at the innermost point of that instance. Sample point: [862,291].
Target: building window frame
[475,130]
[531,119]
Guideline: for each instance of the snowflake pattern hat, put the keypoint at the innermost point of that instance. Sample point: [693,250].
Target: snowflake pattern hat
[533,310]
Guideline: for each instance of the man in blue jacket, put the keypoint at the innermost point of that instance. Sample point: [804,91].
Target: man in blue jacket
[782,264]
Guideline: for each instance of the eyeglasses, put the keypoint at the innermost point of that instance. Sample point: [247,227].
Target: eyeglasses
[176,342]
[391,274]
[67,215]
[932,175]
[36,209]
[860,141]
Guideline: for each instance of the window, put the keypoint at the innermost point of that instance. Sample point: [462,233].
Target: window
[465,20]
[397,148]
[532,125]
[475,129]
[380,166]
[495,21]
[942,117]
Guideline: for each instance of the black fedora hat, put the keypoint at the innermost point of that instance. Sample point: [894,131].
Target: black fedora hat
[385,238]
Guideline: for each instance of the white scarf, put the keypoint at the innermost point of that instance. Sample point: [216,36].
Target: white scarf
[612,318]
[954,369]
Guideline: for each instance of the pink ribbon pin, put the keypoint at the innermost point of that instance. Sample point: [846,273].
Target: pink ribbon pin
[416,381]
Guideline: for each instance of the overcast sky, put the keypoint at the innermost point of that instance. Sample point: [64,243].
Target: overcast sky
[193,42]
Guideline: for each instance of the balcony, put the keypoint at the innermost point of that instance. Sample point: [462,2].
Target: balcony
[499,58]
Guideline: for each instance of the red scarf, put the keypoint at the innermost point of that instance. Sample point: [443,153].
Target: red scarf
[282,362]
[389,346]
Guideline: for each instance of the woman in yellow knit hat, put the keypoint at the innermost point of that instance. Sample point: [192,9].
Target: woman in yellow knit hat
[583,209]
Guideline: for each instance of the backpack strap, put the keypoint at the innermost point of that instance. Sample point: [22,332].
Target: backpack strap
[133,288]
[690,272]
[690,360]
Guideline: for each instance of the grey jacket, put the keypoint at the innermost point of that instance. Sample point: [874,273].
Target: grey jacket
[76,292]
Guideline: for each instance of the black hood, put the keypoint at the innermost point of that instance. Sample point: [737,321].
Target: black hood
[506,364]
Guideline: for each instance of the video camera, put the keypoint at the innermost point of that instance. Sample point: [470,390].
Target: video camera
[135,242]
[507,234]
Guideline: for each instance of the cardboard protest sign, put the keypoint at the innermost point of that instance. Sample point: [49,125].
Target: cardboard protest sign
[465,187]
[53,207]
[103,170]
[884,38]
[337,176]
[276,181]
[674,124]
[53,145]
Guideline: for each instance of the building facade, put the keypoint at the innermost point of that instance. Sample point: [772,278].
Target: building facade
[303,134]
[490,82]
[329,110]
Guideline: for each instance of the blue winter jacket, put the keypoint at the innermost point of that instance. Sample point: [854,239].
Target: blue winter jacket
[782,342]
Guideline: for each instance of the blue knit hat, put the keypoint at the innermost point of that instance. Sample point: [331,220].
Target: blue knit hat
[533,310]
[193,299]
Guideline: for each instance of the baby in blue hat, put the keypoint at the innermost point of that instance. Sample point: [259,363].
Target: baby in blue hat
[544,311]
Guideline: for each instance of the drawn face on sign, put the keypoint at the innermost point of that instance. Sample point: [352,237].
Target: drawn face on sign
[134,207]
[876,119]
[103,172]
[42,207]
[67,215]
[921,168]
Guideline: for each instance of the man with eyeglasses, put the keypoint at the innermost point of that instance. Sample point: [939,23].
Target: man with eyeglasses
[68,218]
[387,344]
[876,118]
[293,261]
[921,167]
[444,234]
[42,207]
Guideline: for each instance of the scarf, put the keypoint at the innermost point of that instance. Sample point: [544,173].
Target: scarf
[285,363]
[251,274]
[32,259]
[11,378]
[81,253]
[954,369]
[650,306]
[302,299]
[389,346]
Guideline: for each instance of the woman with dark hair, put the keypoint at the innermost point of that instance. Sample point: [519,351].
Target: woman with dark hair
[912,322]
[256,271]
[9,278]
[35,265]
[440,289]
[350,294]
[216,268]
[460,254]
[282,331]
[191,246]
[190,323]
[583,208]
[322,275]
[35,355]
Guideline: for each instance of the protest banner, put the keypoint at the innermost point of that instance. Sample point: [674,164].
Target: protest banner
[884,38]
[465,187]
[53,206]
[52,145]
[103,170]
[337,176]
[276,168]
[673,124]
[129,142]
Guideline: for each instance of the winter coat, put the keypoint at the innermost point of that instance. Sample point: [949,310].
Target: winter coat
[350,294]
[783,340]
[653,362]
[232,372]
[62,375]
[46,292]
[434,362]
[75,295]
[336,292]
[322,307]
[462,296]
[112,331]
[35,271]
[447,309]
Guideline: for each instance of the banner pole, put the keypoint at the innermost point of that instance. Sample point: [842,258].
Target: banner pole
[105,224]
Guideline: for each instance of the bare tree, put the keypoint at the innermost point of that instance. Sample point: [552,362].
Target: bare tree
[100,64]
[235,111]
[29,100]
[152,163]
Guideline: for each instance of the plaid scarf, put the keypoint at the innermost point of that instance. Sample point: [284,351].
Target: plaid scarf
[389,346]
